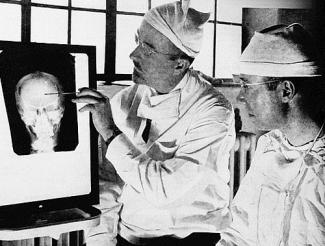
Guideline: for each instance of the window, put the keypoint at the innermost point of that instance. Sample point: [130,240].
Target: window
[49,25]
[129,15]
[110,25]
[139,6]
[125,43]
[88,28]
[228,50]
[10,22]
[204,60]
[95,4]
[56,21]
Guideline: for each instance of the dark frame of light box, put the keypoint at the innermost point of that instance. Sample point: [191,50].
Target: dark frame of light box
[84,200]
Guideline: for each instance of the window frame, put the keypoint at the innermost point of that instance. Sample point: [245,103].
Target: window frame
[111,13]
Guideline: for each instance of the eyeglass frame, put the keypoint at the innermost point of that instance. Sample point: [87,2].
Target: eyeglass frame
[148,51]
[245,85]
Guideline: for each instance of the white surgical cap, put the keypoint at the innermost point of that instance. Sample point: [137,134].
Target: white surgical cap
[280,51]
[180,24]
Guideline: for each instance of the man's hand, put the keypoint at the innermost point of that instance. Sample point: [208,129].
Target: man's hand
[99,107]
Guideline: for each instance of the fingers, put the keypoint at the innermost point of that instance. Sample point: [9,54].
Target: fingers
[89,99]
[88,107]
[84,91]
[89,95]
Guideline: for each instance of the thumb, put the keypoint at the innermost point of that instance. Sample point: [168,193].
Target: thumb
[88,107]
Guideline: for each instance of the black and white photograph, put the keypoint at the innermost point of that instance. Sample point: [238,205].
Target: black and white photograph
[162,122]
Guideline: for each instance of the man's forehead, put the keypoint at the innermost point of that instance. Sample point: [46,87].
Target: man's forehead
[151,36]
[148,32]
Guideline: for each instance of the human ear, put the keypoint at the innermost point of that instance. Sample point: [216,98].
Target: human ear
[288,91]
[181,66]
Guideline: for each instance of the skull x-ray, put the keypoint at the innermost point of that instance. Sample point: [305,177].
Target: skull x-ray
[42,119]
[40,104]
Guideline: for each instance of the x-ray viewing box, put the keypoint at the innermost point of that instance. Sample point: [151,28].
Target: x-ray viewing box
[51,192]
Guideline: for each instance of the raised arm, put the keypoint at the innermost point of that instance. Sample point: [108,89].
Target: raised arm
[199,160]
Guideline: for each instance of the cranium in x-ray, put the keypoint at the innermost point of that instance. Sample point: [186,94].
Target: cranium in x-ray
[40,104]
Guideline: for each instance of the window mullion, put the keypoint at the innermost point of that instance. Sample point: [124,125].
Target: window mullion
[110,45]
[69,21]
[25,21]
[214,39]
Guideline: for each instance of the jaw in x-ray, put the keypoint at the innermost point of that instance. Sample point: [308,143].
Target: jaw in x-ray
[40,104]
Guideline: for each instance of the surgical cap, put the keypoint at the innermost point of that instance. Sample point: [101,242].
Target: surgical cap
[280,51]
[182,23]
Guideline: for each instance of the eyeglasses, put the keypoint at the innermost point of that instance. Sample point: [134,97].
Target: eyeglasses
[245,85]
[147,50]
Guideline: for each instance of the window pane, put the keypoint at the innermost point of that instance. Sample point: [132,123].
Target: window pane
[155,3]
[10,22]
[53,2]
[204,60]
[126,27]
[212,14]
[228,50]
[89,29]
[49,25]
[94,4]
[140,6]
[233,10]
[206,5]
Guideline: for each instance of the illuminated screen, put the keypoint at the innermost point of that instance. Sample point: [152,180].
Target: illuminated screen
[45,142]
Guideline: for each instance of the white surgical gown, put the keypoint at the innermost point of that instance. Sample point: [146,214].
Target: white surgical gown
[176,182]
[281,200]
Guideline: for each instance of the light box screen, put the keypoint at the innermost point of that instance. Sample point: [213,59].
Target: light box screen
[45,142]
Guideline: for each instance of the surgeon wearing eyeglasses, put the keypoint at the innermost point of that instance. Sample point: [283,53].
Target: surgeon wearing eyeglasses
[169,135]
[281,199]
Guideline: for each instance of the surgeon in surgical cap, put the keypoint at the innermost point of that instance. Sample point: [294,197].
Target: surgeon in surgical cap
[169,136]
[281,199]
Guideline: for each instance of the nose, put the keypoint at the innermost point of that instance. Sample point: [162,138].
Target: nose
[43,124]
[42,117]
[241,96]
[135,54]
